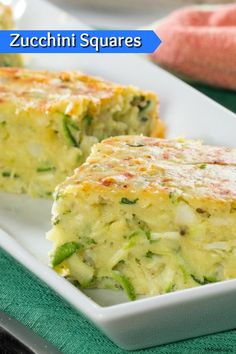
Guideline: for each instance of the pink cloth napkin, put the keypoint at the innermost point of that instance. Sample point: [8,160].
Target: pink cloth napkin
[200,45]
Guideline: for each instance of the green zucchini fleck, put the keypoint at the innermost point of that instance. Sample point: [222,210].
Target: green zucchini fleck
[57,194]
[203,166]
[206,280]
[170,288]
[68,125]
[56,221]
[173,196]
[133,234]
[6,174]
[122,261]
[10,174]
[145,106]
[45,169]
[128,201]
[88,241]
[141,102]
[125,283]
[150,254]
[88,119]
[143,227]
[48,194]
[63,252]
[144,119]
[203,212]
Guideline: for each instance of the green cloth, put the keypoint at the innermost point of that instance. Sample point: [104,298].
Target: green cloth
[35,305]
[224,97]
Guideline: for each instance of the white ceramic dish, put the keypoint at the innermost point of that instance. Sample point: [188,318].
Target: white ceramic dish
[149,321]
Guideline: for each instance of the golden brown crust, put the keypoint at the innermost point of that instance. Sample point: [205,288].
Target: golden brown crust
[43,87]
[136,164]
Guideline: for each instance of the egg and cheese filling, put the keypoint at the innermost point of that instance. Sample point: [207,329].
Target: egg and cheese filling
[147,215]
[50,120]
[7,23]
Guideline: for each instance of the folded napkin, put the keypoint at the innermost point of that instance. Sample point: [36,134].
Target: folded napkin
[200,45]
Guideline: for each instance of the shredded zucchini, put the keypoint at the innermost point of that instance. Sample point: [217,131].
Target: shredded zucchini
[128,201]
[206,280]
[64,251]
[45,169]
[68,127]
[124,282]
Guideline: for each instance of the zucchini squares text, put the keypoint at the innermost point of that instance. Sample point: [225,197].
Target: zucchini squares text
[147,215]
[50,120]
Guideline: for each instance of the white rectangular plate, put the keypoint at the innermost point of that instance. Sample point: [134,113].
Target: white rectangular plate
[148,321]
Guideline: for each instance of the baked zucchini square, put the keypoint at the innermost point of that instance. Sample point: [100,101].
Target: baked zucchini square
[7,23]
[50,120]
[148,215]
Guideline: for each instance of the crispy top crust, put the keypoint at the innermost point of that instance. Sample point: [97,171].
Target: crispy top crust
[43,89]
[136,164]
